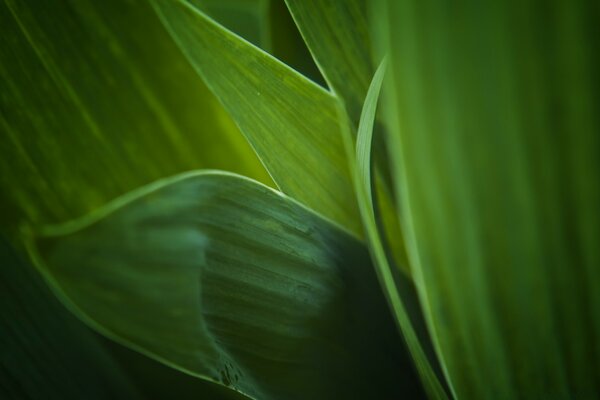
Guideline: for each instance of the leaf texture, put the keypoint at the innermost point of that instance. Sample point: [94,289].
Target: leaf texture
[495,115]
[228,280]
[96,100]
[289,121]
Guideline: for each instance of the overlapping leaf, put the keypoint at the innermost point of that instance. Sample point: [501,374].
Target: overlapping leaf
[337,34]
[497,165]
[95,100]
[399,292]
[44,351]
[231,281]
[290,121]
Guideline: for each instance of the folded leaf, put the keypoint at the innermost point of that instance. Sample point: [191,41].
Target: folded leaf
[233,282]
[289,121]
[495,115]
[96,100]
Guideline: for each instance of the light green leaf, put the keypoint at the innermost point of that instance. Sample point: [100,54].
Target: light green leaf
[96,100]
[389,279]
[337,34]
[494,109]
[231,281]
[46,353]
[290,121]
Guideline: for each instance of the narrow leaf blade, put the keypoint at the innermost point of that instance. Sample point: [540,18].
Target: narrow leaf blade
[289,121]
[337,34]
[389,277]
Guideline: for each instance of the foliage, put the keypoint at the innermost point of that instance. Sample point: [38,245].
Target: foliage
[397,199]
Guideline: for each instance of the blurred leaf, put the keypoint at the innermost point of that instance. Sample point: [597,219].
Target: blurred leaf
[233,282]
[96,99]
[495,115]
[290,121]
[337,34]
[45,353]
[392,284]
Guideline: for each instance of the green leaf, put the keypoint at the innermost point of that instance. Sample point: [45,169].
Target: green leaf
[96,100]
[230,281]
[289,121]
[337,34]
[495,114]
[46,353]
[388,275]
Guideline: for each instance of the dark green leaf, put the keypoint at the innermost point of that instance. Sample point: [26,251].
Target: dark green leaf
[233,282]
[45,353]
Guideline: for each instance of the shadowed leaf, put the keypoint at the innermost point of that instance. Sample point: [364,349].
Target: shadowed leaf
[233,282]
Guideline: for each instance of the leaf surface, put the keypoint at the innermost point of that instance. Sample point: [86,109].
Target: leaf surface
[396,288]
[289,121]
[494,110]
[96,100]
[228,280]
[337,34]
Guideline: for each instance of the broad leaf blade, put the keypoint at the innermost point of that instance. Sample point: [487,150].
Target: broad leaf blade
[337,34]
[289,121]
[495,116]
[231,281]
[98,100]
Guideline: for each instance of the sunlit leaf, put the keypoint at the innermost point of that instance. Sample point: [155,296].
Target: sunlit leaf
[228,280]
[290,121]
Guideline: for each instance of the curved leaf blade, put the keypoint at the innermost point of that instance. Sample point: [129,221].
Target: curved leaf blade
[388,276]
[289,121]
[233,282]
